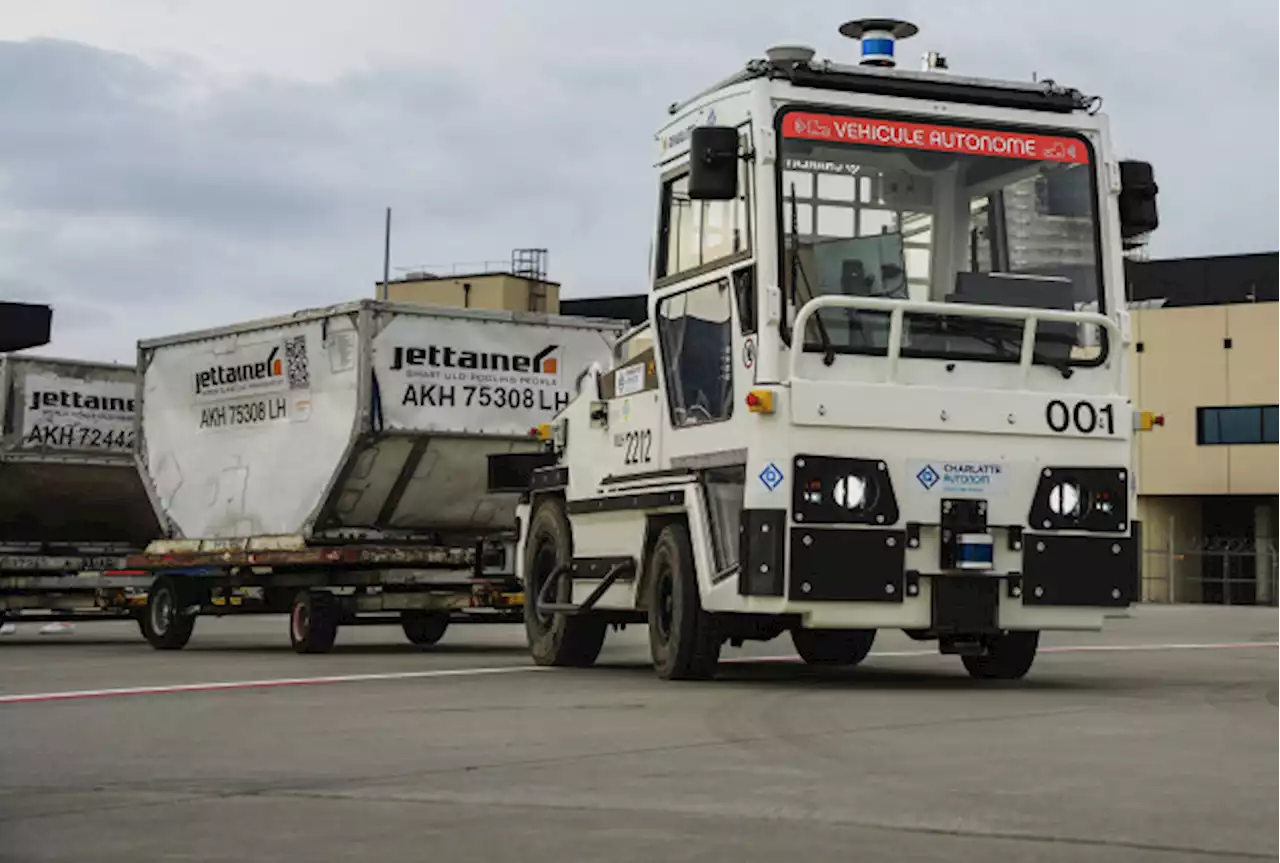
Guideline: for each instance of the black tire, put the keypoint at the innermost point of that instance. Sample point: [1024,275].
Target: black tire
[424,628]
[1005,657]
[164,623]
[833,646]
[683,639]
[920,635]
[313,622]
[555,639]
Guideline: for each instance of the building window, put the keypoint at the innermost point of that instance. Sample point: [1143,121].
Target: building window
[1236,425]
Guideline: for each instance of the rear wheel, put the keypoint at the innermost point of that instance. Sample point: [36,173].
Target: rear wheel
[424,628]
[1005,657]
[833,646]
[555,639]
[165,623]
[313,622]
[683,639]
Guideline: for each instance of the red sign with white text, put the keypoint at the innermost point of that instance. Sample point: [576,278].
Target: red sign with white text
[924,136]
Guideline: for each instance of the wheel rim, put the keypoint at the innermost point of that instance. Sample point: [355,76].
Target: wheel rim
[161,612]
[664,604]
[544,563]
[301,621]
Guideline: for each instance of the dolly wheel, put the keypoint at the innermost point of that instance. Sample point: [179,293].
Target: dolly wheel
[1004,657]
[424,628]
[683,639]
[313,622]
[833,646]
[164,623]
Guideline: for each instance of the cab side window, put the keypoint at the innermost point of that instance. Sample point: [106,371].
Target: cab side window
[695,336]
[696,235]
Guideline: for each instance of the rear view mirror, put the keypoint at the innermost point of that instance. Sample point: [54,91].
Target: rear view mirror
[713,163]
[1138,189]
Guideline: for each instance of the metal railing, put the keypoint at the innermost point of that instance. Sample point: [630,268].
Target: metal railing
[1217,571]
[898,309]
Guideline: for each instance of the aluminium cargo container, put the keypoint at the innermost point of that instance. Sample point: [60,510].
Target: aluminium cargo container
[333,463]
[72,503]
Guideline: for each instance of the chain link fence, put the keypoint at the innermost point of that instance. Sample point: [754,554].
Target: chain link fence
[1220,571]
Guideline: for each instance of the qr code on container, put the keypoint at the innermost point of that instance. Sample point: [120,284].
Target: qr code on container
[295,357]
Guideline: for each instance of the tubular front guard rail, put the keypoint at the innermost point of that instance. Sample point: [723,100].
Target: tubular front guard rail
[897,310]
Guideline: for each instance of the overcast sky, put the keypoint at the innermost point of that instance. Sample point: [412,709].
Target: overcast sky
[187,163]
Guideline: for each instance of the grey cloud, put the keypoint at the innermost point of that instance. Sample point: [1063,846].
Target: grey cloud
[149,196]
[143,198]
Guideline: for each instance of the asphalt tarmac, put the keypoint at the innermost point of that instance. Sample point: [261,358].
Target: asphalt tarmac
[1153,740]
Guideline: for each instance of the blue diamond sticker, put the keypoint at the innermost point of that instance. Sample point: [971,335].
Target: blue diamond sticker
[928,477]
[771,476]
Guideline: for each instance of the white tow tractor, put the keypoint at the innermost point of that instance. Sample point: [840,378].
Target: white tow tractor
[882,384]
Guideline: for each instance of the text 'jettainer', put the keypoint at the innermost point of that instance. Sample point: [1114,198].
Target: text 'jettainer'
[72,504]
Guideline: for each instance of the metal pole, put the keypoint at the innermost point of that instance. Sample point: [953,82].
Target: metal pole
[1170,564]
[386,257]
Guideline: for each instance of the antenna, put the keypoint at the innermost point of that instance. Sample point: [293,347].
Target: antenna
[789,54]
[878,36]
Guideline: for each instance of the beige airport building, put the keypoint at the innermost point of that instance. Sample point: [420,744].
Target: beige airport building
[1204,356]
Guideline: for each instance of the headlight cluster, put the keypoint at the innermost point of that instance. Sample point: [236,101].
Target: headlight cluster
[831,490]
[1092,499]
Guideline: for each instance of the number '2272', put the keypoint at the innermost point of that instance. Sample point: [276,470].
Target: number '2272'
[1082,416]
[639,447]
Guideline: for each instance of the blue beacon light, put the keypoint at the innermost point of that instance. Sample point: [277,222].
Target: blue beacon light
[878,37]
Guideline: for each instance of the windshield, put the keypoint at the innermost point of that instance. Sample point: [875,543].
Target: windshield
[951,214]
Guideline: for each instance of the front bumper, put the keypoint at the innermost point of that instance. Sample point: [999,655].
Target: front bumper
[879,568]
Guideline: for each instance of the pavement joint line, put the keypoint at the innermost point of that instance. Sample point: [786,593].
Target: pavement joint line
[240,685]
[924,829]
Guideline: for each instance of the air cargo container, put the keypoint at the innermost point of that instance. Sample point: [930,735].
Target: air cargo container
[72,503]
[333,463]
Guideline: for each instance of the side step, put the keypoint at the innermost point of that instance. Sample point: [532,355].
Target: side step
[609,569]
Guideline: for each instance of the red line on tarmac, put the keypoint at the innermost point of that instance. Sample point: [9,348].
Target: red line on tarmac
[75,695]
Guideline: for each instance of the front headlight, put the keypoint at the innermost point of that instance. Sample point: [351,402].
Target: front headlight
[1081,498]
[830,490]
[850,491]
[1065,499]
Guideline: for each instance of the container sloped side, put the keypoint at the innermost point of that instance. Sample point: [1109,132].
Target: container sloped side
[455,386]
[244,428]
[67,470]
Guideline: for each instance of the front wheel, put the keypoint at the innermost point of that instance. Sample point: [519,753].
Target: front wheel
[555,639]
[833,646]
[165,623]
[1004,657]
[424,628]
[683,639]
